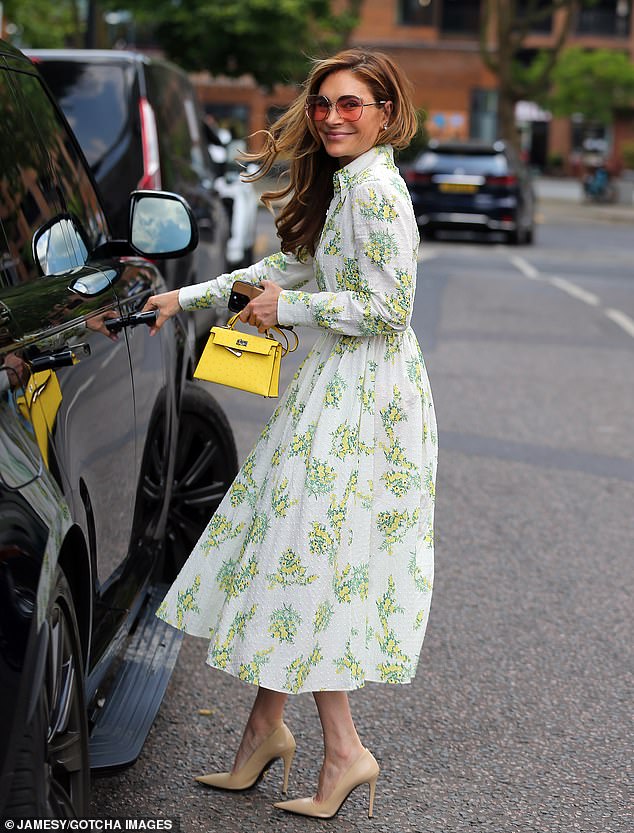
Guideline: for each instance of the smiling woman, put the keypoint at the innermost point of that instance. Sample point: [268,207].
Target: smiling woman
[315,573]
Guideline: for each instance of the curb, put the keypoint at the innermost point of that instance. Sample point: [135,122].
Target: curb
[585,212]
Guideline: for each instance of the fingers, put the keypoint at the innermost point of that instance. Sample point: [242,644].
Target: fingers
[166,305]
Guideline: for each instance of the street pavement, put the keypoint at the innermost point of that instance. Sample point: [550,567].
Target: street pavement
[520,717]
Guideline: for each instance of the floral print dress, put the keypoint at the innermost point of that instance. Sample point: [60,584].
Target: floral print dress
[315,572]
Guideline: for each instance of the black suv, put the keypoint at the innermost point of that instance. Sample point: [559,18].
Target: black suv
[138,122]
[472,186]
[111,460]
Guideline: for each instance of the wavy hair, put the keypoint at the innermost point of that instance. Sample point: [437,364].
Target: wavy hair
[293,137]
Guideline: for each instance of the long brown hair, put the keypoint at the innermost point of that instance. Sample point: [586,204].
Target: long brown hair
[293,137]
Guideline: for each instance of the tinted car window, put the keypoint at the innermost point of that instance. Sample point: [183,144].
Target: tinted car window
[473,164]
[179,132]
[94,98]
[28,188]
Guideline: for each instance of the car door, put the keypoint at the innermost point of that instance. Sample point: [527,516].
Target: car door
[55,306]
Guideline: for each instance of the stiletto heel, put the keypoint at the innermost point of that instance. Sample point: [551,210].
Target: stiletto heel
[279,744]
[372,783]
[288,760]
[364,770]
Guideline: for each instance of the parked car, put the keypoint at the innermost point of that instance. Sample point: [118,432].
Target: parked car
[238,195]
[472,186]
[138,122]
[111,460]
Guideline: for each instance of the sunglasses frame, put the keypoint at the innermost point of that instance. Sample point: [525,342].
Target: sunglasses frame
[331,104]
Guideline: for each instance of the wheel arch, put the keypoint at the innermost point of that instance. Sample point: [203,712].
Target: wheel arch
[74,560]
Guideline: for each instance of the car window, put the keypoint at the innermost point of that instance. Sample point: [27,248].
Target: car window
[489,164]
[45,178]
[29,197]
[180,136]
[95,99]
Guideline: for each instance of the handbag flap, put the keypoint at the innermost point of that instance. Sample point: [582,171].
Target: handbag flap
[236,340]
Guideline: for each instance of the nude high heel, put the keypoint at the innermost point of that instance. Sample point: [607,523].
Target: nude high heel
[364,770]
[279,744]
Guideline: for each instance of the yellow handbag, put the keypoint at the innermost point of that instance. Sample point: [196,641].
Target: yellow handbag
[39,404]
[242,360]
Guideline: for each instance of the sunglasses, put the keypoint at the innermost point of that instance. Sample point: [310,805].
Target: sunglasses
[349,107]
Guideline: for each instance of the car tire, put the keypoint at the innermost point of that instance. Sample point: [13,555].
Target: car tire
[205,466]
[52,770]
[529,238]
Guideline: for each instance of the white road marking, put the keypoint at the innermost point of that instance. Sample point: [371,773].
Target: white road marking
[615,315]
[113,352]
[526,268]
[576,291]
[624,321]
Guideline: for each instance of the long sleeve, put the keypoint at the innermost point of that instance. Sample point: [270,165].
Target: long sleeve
[377,244]
[284,270]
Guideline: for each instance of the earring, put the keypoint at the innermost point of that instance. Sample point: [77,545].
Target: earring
[385,126]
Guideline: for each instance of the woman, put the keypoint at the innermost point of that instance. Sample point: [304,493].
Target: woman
[315,572]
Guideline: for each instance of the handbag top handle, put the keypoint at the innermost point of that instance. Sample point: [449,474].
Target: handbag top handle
[286,348]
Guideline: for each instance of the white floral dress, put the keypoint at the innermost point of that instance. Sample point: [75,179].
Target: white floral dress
[315,572]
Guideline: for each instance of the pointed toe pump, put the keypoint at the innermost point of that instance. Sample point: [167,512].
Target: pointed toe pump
[364,770]
[279,744]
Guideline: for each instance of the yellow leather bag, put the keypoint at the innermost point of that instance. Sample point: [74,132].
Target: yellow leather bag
[242,360]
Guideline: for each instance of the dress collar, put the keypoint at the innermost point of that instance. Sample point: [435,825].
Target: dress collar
[346,177]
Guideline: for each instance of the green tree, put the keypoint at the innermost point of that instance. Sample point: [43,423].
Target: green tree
[272,40]
[505,28]
[43,24]
[594,83]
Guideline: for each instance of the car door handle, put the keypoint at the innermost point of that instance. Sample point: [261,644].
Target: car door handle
[59,358]
[115,325]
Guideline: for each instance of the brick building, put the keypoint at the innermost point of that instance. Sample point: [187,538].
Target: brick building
[436,42]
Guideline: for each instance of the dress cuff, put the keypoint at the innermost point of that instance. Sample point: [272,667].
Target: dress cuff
[294,308]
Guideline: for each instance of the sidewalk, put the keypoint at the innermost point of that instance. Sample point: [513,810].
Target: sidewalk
[562,199]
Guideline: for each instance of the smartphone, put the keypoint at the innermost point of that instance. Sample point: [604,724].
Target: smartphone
[241,293]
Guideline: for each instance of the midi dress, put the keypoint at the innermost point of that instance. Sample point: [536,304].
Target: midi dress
[315,572]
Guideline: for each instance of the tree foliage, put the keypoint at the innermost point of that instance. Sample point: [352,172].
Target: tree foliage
[594,83]
[272,40]
[506,27]
[43,24]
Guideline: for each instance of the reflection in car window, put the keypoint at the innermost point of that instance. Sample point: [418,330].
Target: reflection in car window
[41,179]
[94,100]
[488,164]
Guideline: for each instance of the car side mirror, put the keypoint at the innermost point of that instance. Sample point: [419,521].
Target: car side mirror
[59,245]
[162,225]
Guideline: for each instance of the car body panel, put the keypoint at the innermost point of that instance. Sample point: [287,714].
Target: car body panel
[79,412]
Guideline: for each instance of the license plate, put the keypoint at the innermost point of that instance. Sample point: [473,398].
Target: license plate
[457,187]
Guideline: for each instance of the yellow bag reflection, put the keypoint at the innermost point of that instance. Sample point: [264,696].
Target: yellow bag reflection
[39,404]
[242,360]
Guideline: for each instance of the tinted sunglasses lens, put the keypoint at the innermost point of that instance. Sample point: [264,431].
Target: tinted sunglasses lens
[350,107]
[317,107]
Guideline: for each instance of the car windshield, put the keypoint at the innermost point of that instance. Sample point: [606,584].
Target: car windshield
[93,98]
[480,164]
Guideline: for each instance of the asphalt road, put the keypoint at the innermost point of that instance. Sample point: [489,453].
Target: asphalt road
[520,718]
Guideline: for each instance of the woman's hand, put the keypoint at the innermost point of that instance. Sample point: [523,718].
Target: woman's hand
[167,305]
[261,312]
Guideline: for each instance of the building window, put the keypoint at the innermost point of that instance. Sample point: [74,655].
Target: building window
[416,12]
[460,17]
[606,17]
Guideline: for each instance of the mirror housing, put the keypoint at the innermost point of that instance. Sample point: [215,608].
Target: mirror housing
[162,225]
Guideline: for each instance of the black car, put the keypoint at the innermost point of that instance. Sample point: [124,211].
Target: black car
[111,460]
[472,186]
[138,122]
